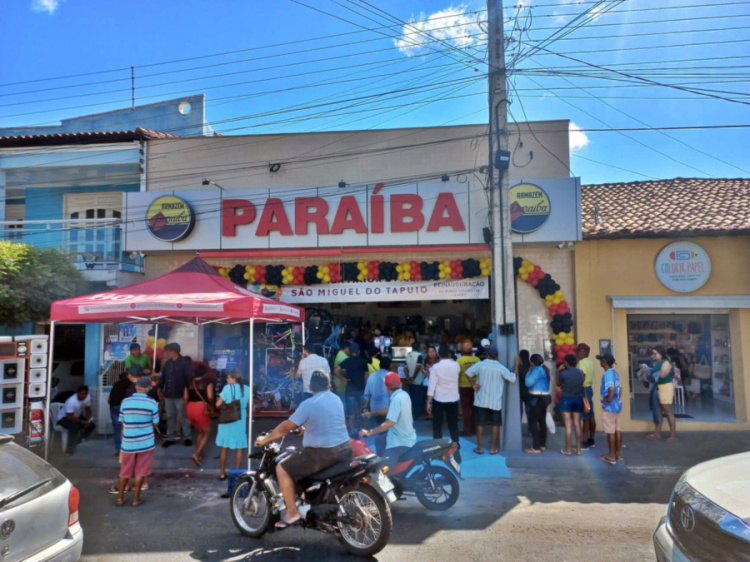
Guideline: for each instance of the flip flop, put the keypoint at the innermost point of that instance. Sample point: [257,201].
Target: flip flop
[494,452]
[652,436]
[137,504]
[564,452]
[608,461]
[479,451]
[196,460]
[282,525]
[222,478]
[119,503]
[532,451]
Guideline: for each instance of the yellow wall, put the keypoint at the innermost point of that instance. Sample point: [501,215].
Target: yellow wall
[626,268]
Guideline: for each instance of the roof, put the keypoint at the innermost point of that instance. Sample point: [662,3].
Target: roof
[83,138]
[664,208]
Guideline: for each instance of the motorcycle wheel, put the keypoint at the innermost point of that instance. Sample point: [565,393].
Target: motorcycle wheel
[445,492]
[372,525]
[252,521]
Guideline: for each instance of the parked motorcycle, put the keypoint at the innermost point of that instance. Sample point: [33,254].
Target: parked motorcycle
[350,500]
[415,472]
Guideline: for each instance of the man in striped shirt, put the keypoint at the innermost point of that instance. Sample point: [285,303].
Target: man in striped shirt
[488,379]
[139,416]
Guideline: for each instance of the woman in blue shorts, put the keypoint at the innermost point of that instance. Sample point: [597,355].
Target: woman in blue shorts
[571,401]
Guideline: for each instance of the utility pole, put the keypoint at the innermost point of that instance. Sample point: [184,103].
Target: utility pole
[503,279]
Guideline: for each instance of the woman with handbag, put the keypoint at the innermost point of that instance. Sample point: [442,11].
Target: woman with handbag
[233,407]
[573,401]
[200,409]
[663,370]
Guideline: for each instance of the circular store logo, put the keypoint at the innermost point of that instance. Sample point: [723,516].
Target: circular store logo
[529,208]
[170,218]
[683,267]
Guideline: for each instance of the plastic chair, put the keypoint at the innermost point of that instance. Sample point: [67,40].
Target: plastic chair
[54,411]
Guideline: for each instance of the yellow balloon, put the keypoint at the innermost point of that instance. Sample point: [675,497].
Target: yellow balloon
[161,342]
[570,341]
[407,275]
[319,275]
[150,342]
[524,276]
[327,279]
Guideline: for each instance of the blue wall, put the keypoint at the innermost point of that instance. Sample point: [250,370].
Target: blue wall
[46,203]
[92,363]
[162,116]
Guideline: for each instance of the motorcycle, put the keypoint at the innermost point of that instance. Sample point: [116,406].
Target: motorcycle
[435,486]
[350,500]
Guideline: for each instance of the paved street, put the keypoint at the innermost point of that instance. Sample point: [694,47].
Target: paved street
[566,508]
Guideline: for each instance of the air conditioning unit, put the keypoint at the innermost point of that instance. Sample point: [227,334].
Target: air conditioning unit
[37,390]
[38,361]
[11,396]
[11,421]
[37,375]
[12,371]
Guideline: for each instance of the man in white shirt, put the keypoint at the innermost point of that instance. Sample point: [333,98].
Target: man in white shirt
[442,396]
[488,378]
[75,416]
[310,363]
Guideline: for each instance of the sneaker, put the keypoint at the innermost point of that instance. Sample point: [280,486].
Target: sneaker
[167,443]
[590,443]
[585,446]
[188,442]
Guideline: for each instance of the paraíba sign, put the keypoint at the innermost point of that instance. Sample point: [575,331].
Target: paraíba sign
[417,214]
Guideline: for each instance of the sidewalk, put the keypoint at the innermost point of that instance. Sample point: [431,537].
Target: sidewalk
[641,455]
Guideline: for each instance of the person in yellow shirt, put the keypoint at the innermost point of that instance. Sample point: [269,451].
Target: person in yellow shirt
[466,388]
[587,419]
[338,384]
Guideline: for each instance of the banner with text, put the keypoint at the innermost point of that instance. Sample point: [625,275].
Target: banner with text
[385,291]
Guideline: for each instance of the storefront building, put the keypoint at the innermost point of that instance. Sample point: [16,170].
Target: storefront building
[667,263]
[379,229]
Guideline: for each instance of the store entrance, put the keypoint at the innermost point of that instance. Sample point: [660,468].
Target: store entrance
[700,345]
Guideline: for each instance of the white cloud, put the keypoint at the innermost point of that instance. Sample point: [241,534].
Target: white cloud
[577,138]
[48,6]
[452,25]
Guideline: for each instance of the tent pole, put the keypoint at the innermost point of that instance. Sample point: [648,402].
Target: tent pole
[252,396]
[47,424]
[156,346]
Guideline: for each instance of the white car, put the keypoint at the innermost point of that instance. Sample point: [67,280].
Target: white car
[708,517]
[38,509]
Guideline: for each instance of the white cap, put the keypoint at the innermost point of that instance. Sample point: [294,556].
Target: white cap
[485,342]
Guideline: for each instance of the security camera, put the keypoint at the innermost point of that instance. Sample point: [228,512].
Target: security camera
[206,181]
[561,245]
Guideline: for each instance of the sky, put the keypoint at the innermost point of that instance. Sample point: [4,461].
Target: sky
[269,66]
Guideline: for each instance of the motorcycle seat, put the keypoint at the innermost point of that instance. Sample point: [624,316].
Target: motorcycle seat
[334,470]
[425,447]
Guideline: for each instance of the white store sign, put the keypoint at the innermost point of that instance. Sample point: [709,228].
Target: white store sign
[423,214]
[683,267]
[388,291]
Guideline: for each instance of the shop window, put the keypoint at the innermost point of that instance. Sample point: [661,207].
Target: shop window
[701,343]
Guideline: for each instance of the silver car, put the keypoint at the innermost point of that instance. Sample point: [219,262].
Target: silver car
[708,517]
[38,509]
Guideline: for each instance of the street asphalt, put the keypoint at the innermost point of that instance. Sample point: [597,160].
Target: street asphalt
[552,507]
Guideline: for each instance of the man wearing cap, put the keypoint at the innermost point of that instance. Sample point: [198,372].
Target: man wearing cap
[488,378]
[175,377]
[139,415]
[612,406]
[135,357]
[353,371]
[589,421]
[465,389]
[399,422]
[377,398]
[325,442]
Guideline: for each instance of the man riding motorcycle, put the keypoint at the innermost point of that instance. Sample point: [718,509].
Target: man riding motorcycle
[399,422]
[325,441]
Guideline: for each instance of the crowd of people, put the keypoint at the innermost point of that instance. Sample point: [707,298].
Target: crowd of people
[432,382]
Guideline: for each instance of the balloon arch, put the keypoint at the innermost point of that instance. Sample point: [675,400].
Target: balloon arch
[554,299]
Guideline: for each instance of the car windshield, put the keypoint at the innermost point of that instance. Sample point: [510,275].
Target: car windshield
[20,470]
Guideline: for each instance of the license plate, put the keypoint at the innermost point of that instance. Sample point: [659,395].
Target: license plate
[385,483]
[455,465]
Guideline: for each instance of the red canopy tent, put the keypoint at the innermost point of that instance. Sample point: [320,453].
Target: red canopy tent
[194,293]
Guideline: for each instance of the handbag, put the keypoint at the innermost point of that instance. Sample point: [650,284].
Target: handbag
[230,412]
[209,409]
[586,405]
[702,370]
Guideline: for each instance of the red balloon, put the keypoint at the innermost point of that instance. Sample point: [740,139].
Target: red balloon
[537,268]
[534,282]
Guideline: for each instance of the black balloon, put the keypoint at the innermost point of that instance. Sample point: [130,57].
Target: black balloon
[237,275]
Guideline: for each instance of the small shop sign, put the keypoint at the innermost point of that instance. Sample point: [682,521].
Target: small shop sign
[683,267]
